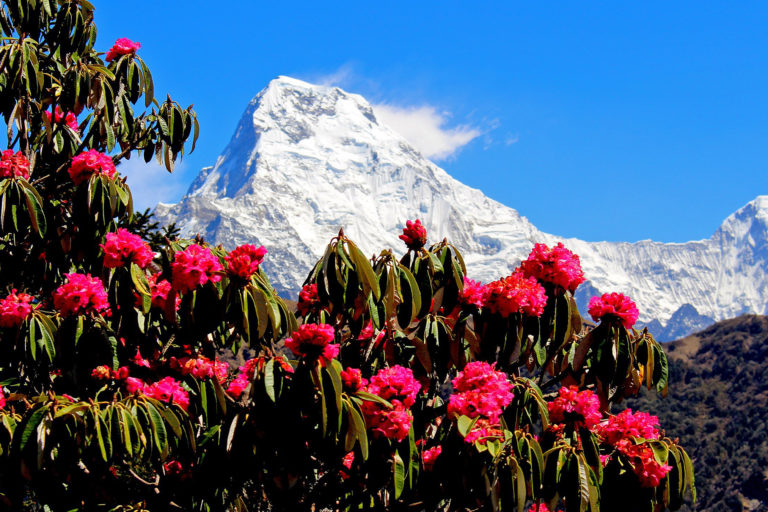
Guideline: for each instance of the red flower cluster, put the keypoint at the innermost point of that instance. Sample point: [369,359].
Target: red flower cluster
[558,266]
[247,370]
[614,305]
[81,294]
[539,508]
[515,294]
[194,267]
[480,390]
[15,309]
[414,235]
[352,379]
[581,408]
[159,291]
[123,247]
[622,431]
[122,46]
[309,300]
[13,165]
[400,388]
[428,457]
[473,293]
[244,261]
[91,162]
[201,367]
[104,372]
[628,424]
[167,390]
[2,399]
[60,116]
[313,341]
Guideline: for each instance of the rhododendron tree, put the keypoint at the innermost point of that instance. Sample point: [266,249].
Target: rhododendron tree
[145,372]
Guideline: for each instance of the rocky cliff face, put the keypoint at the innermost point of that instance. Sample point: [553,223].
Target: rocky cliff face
[306,160]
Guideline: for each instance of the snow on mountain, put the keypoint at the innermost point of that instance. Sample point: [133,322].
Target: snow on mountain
[306,160]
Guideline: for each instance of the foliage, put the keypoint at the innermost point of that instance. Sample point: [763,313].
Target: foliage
[401,385]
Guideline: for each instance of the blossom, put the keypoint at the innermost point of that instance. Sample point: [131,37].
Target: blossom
[400,388]
[628,424]
[515,294]
[574,406]
[367,332]
[558,266]
[352,379]
[168,390]
[614,305]
[123,247]
[13,165]
[59,115]
[15,309]
[414,235]
[247,371]
[139,360]
[194,267]
[122,46]
[104,372]
[649,471]
[473,293]
[2,399]
[313,341]
[480,391]
[390,423]
[428,457]
[541,507]
[309,300]
[396,385]
[482,431]
[201,367]
[244,261]
[134,385]
[81,294]
[91,162]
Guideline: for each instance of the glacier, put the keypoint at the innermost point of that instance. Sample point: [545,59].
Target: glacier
[307,160]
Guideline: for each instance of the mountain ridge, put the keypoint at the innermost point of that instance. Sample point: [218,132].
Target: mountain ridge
[306,160]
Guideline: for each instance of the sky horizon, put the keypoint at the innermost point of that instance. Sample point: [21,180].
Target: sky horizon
[641,121]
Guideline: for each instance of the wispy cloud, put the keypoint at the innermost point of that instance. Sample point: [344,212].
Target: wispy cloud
[151,183]
[425,127]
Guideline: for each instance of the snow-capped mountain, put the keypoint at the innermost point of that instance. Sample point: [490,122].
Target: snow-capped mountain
[306,160]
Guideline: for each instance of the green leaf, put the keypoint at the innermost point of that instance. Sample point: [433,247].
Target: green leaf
[269,379]
[399,475]
[364,271]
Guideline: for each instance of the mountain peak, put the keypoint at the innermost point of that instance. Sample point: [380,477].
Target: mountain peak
[306,160]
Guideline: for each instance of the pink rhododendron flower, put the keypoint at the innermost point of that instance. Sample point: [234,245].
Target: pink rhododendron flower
[247,371]
[628,424]
[414,235]
[644,464]
[13,165]
[104,372]
[134,385]
[81,294]
[515,294]
[313,341]
[122,46]
[473,293]
[396,385]
[400,388]
[482,431]
[352,379]
[194,267]
[201,367]
[139,360]
[367,332]
[15,309]
[2,399]
[575,407]
[558,266]
[429,456]
[541,507]
[168,390]
[60,116]
[244,261]
[614,305]
[309,301]
[91,162]
[480,391]
[123,247]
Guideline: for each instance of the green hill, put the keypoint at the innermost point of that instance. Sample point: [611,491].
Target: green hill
[718,407]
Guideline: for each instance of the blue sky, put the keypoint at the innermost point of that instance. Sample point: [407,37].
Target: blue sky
[598,120]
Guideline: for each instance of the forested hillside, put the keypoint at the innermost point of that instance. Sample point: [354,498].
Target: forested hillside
[718,404]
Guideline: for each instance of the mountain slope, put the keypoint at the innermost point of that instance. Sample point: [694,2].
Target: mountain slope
[718,406]
[306,160]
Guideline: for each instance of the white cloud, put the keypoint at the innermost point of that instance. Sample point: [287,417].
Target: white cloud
[512,139]
[151,183]
[424,127]
[339,78]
